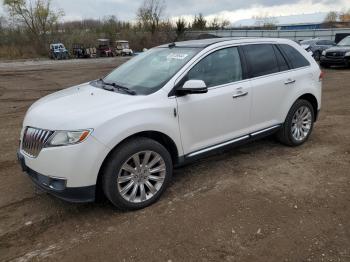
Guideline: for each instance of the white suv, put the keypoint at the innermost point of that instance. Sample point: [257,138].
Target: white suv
[175,103]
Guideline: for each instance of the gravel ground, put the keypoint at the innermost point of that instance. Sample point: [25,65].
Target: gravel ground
[259,202]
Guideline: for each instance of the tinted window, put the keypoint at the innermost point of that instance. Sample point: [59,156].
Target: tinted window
[295,58]
[218,68]
[282,63]
[262,59]
[324,42]
[307,42]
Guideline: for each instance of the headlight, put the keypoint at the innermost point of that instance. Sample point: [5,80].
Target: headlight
[63,138]
[324,52]
[347,54]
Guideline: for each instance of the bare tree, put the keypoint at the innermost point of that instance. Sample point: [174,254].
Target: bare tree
[345,16]
[150,13]
[2,22]
[331,17]
[37,16]
[265,21]
[218,23]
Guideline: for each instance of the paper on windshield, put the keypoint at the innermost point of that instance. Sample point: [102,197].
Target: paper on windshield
[177,56]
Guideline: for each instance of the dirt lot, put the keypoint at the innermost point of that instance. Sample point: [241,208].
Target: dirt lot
[260,202]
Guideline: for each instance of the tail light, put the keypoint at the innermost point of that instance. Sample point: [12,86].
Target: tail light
[322,74]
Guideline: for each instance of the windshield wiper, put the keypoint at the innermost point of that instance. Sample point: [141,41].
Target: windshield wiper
[113,86]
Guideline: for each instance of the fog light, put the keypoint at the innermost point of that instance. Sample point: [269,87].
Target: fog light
[57,184]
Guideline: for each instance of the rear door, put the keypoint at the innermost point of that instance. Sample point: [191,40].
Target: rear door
[222,114]
[271,84]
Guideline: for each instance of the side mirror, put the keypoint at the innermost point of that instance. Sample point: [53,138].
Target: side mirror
[193,87]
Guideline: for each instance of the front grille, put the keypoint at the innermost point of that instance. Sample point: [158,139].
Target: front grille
[34,140]
[335,54]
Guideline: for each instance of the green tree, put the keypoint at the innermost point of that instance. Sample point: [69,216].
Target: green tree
[38,17]
[180,27]
[199,22]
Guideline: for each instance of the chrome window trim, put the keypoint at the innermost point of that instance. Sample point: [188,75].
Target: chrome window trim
[190,66]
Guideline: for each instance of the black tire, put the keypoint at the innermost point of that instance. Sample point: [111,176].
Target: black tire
[285,134]
[317,55]
[118,157]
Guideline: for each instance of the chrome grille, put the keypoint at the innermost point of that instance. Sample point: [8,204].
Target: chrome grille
[34,140]
[335,54]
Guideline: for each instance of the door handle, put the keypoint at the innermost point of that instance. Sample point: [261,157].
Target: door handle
[239,94]
[290,81]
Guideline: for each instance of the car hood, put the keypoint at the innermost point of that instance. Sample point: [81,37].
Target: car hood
[78,107]
[339,49]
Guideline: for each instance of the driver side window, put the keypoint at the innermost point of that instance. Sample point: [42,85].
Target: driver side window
[218,68]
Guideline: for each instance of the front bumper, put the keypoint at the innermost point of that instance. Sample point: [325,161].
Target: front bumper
[78,164]
[335,61]
[58,186]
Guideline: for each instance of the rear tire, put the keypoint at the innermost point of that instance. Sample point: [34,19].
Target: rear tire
[137,173]
[298,124]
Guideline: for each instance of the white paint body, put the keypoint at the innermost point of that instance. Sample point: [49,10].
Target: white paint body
[203,120]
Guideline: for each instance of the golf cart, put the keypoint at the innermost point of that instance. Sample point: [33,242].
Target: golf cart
[58,51]
[104,48]
[82,51]
[123,48]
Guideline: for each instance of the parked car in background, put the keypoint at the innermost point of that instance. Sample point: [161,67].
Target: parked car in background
[337,55]
[104,48]
[123,48]
[58,51]
[81,51]
[316,46]
[173,104]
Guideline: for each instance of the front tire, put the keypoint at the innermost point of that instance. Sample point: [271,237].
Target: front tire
[137,173]
[317,56]
[298,125]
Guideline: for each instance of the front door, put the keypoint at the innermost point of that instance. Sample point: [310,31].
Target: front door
[222,114]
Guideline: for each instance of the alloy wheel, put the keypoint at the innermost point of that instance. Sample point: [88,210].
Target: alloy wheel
[141,176]
[301,123]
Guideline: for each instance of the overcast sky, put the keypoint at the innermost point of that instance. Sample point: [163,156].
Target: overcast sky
[232,10]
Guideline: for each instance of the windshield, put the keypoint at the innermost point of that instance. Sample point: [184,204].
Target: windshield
[307,42]
[345,41]
[123,45]
[149,71]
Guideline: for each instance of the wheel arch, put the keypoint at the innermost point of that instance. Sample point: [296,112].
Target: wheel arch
[313,101]
[160,137]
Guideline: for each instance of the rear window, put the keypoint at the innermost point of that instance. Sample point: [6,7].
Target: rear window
[296,59]
[261,59]
[283,65]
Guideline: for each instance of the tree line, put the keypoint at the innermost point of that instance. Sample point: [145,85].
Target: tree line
[334,16]
[30,26]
